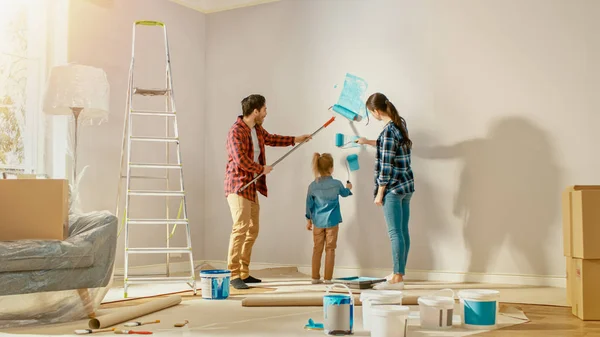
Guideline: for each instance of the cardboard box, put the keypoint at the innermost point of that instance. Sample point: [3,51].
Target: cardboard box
[570,270]
[585,298]
[34,209]
[579,215]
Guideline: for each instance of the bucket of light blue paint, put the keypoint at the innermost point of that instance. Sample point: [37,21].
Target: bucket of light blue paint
[479,308]
[338,312]
[215,284]
[353,162]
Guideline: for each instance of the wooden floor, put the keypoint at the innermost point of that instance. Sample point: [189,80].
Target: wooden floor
[548,321]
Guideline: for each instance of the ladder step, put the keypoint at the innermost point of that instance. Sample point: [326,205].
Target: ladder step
[157,193]
[152,113]
[180,250]
[151,92]
[144,177]
[155,139]
[159,279]
[157,221]
[159,166]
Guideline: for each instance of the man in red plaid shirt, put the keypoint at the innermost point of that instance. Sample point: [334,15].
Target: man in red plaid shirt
[246,142]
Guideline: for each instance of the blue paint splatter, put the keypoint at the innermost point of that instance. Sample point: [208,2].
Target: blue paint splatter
[352,96]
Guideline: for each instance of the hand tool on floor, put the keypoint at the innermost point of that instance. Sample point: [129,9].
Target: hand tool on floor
[179,325]
[88,331]
[290,151]
[141,323]
[131,332]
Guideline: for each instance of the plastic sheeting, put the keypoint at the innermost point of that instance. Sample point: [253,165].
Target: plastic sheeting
[46,282]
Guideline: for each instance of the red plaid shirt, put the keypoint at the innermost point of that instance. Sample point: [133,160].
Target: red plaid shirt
[241,166]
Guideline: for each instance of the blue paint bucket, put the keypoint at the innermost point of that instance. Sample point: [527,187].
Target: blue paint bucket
[338,312]
[479,308]
[353,162]
[215,284]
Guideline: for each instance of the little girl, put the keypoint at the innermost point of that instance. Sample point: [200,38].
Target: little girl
[323,212]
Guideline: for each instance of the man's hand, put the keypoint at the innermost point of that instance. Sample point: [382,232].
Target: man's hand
[378,200]
[267,169]
[309,225]
[302,138]
[349,185]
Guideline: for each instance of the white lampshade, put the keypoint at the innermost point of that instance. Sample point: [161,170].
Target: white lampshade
[77,86]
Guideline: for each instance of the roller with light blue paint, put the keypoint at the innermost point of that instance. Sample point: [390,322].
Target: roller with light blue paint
[352,164]
[342,140]
[347,113]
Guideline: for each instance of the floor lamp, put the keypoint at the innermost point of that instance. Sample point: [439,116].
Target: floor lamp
[80,91]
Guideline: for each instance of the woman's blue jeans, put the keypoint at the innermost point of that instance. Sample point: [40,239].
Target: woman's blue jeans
[396,210]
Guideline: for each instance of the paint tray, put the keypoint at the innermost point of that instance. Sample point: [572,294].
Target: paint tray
[358,282]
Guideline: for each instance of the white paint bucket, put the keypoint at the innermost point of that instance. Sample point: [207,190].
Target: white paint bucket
[389,320]
[338,312]
[374,297]
[436,311]
[215,284]
[479,308]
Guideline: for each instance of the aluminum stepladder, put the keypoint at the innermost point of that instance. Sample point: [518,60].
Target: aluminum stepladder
[169,114]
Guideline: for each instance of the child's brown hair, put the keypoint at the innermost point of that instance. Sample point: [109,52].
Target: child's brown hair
[322,164]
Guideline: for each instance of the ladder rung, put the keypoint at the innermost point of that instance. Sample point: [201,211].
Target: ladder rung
[152,113]
[150,92]
[157,193]
[159,166]
[180,250]
[155,139]
[144,177]
[158,279]
[157,221]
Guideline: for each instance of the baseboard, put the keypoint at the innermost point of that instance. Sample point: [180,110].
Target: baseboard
[423,275]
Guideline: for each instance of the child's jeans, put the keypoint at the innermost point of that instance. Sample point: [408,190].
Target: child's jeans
[324,238]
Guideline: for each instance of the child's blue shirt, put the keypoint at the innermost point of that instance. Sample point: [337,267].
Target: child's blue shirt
[322,201]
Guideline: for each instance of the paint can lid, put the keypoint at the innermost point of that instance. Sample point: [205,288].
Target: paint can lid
[479,294]
[215,272]
[436,301]
[381,295]
[390,310]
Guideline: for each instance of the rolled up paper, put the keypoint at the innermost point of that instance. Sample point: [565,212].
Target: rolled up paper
[128,313]
[303,300]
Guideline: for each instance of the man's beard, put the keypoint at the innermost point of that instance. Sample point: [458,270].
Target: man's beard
[259,121]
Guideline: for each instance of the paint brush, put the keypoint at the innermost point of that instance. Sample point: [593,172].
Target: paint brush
[179,325]
[141,323]
[130,332]
[88,331]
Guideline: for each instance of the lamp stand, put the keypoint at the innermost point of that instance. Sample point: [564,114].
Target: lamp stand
[76,111]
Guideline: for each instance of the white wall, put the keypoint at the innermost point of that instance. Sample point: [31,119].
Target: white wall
[501,103]
[100,34]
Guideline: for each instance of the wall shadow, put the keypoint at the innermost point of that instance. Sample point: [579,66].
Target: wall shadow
[509,191]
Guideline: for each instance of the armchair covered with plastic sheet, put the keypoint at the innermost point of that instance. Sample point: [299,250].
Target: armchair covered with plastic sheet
[43,281]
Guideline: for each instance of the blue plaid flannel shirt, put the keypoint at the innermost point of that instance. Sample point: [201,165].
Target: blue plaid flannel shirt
[392,163]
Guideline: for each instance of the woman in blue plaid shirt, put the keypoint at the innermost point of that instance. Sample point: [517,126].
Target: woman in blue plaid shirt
[394,181]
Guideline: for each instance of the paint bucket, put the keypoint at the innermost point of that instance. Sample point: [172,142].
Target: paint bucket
[436,311]
[479,308]
[215,284]
[353,162]
[389,320]
[369,298]
[338,312]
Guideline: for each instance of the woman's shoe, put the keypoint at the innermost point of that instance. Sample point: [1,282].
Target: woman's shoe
[389,286]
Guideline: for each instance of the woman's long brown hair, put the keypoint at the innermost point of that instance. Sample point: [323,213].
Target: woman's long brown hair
[379,102]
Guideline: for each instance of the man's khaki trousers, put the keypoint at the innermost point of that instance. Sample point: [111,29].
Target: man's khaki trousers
[243,234]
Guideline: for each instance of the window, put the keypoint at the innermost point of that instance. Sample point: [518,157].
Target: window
[26,28]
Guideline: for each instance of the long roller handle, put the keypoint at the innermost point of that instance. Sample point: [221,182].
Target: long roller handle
[288,153]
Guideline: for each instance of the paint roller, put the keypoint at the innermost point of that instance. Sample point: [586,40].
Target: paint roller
[347,113]
[352,164]
[340,140]
[290,151]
